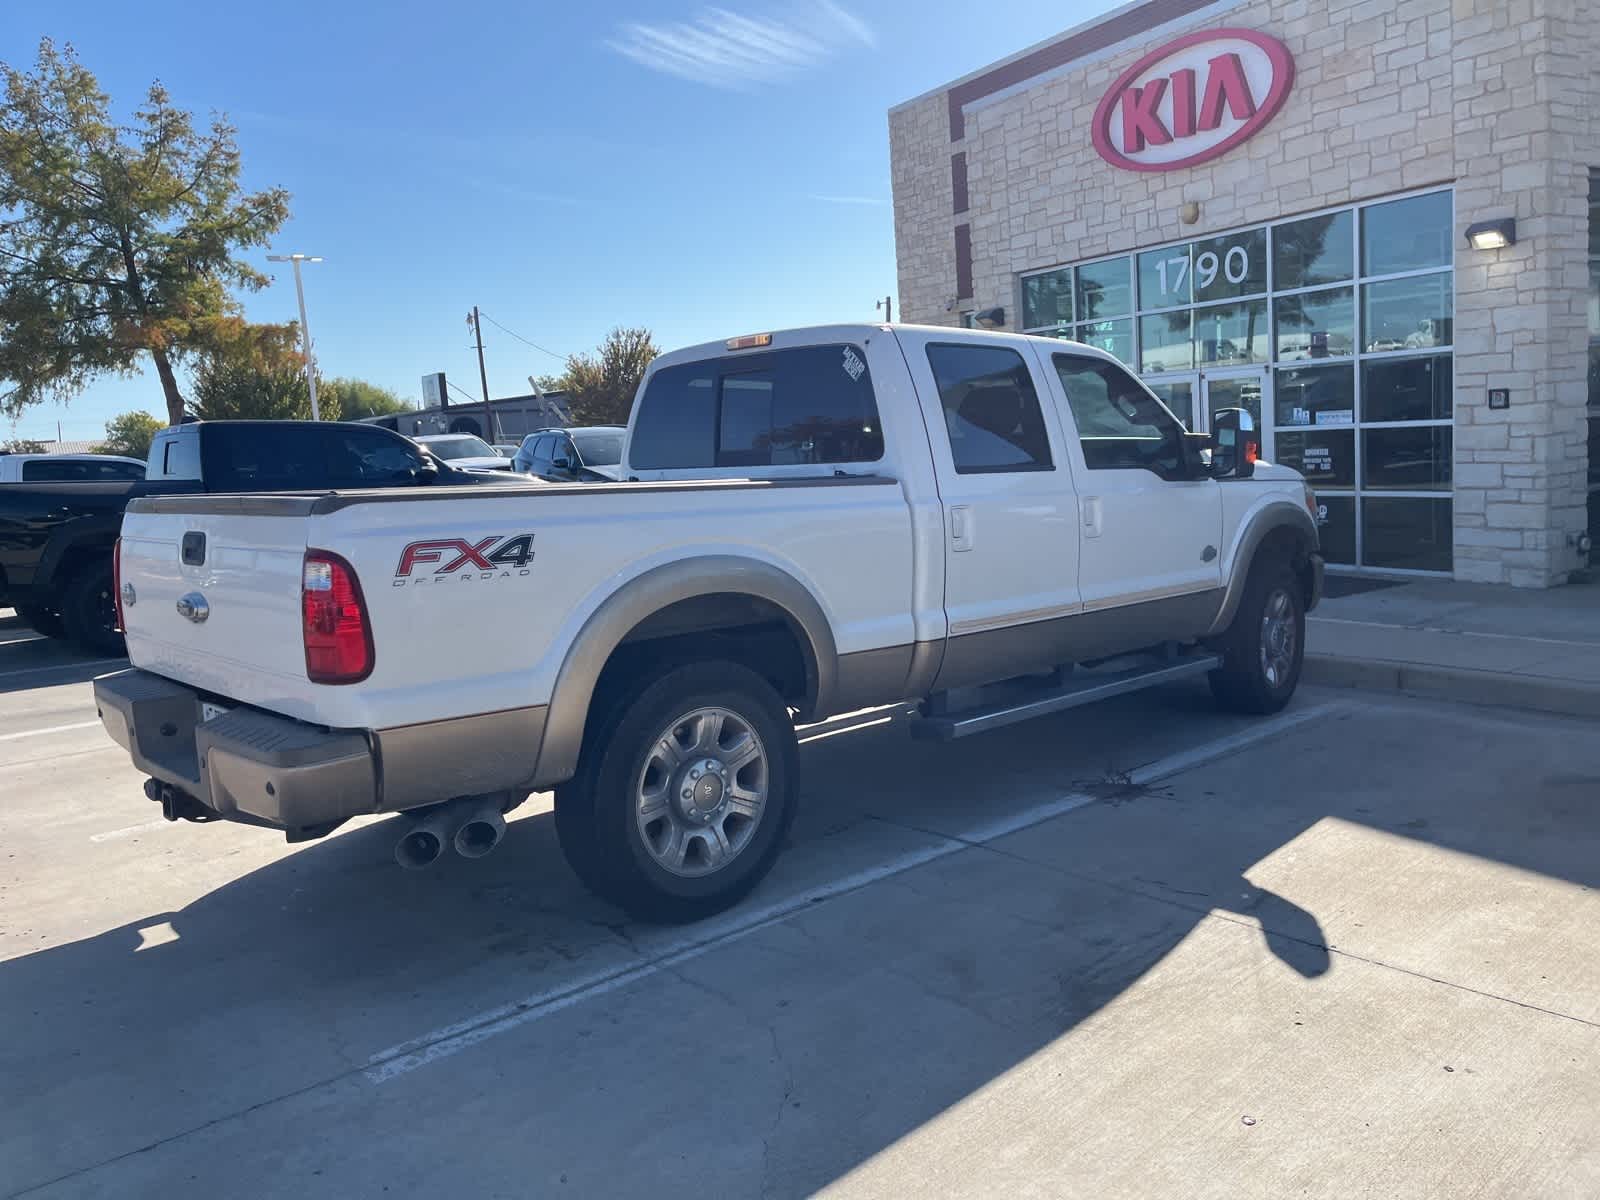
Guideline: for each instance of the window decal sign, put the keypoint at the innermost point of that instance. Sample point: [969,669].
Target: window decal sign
[1192,100]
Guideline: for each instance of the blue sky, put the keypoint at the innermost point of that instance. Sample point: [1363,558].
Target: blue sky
[702,171]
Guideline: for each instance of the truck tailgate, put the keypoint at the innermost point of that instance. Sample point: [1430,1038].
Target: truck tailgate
[211,595]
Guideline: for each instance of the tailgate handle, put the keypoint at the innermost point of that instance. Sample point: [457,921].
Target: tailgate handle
[194,549]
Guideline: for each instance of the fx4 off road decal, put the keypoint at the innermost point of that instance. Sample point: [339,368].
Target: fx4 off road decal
[444,559]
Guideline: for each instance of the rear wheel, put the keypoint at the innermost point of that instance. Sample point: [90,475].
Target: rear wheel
[684,795]
[1264,648]
[41,620]
[89,610]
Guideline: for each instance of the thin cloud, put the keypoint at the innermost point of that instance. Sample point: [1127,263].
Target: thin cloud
[731,50]
[868,201]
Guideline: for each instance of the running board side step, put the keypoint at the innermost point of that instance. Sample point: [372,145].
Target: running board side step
[1079,689]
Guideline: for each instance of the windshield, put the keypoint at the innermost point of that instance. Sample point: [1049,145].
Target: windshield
[465,446]
[599,449]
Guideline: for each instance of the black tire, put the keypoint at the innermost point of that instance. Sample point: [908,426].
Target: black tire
[89,611]
[596,821]
[1259,673]
[42,620]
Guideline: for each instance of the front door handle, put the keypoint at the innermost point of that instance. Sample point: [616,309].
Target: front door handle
[1093,514]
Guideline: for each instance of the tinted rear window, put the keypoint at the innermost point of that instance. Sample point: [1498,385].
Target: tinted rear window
[267,458]
[69,470]
[810,405]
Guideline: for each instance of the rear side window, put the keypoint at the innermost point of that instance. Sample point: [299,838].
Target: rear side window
[806,406]
[991,410]
[45,470]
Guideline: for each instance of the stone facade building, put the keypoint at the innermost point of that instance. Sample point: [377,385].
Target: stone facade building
[1267,203]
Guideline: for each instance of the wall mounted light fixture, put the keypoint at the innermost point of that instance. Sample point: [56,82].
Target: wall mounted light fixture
[1492,235]
[991,318]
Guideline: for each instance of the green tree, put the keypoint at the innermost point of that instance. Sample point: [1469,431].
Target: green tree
[602,384]
[116,240]
[256,373]
[131,434]
[356,398]
[21,446]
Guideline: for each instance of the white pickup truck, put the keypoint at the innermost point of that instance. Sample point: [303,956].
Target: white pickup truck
[809,523]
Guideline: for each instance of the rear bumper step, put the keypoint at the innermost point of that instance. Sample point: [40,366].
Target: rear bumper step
[1075,690]
[244,764]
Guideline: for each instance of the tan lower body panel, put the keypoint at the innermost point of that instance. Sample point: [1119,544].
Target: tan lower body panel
[438,760]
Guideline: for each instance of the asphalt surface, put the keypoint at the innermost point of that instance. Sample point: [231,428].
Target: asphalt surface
[1143,949]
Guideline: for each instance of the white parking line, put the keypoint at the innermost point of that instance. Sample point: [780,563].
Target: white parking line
[24,640]
[93,662]
[112,835]
[28,733]
[461,1035]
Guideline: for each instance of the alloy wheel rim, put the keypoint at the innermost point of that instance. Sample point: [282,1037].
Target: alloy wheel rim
[702,790]
[1278,638]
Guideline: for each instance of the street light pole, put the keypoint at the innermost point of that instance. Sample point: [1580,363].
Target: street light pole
[305,326]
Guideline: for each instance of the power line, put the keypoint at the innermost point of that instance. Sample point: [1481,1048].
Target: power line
[467,394]
[520,338]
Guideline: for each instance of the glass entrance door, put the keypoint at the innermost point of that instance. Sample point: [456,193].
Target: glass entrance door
[1249,388]
[1179,393]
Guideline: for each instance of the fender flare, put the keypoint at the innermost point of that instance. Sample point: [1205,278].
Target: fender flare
[621,612]
[1280,514]
[91,532]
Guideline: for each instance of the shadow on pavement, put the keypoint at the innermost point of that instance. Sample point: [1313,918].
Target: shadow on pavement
[947,978]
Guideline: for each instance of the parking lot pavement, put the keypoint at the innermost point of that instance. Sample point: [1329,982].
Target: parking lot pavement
[1140,949]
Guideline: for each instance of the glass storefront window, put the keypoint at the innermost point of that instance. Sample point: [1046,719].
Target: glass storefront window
[1315,396]
[1406,533]
[1407,314]
[1316,324]
[1326,457]
[1178,395]
[1231,333]
[1336,528]
[1406,389]
[1353,312]
[1316,250]
[1167,341]
[1104,290]
[1407,235]
[1047,300]
[1406,458]
[1114,337]
[1165,277]
[1235,265]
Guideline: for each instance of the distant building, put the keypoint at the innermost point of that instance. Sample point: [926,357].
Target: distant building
[514,417]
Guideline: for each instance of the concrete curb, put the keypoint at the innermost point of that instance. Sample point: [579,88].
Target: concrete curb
[1571,698]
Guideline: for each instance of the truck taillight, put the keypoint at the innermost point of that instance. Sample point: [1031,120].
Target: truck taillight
[334,623]
[116,583]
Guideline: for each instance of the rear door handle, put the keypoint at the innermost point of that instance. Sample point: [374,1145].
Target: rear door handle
[1093,514]
[961,531]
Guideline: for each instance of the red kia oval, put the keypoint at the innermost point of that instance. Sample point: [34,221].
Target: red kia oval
[1266,106]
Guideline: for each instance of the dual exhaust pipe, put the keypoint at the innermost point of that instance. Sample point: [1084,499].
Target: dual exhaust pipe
[471,826]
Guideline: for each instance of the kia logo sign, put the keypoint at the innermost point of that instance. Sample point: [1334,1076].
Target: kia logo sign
[1192,100]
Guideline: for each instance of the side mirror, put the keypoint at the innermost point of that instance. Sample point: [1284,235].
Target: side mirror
[425,474]
[1235,444]
[562,463]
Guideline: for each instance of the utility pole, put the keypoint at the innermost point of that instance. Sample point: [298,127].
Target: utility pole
[887,305]
[305,326]
[483,377]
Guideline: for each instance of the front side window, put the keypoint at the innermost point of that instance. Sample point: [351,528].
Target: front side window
[811,405]
[365,460]
[1120,424]
[991,409]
